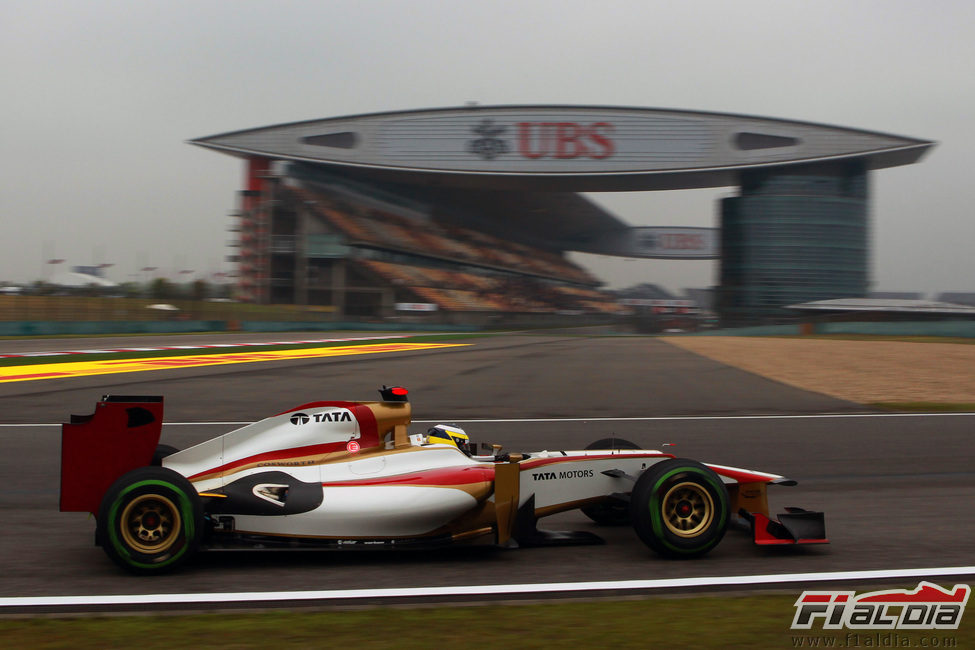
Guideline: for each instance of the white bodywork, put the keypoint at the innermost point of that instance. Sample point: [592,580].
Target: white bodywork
[388,491]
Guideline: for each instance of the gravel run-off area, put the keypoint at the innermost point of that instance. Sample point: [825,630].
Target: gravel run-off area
[857,371]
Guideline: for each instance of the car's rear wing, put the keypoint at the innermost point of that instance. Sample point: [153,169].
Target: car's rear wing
[121,435]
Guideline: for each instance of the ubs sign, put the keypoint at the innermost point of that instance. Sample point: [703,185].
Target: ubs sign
[566,143]
[653,242]
[534,140]
[541,141]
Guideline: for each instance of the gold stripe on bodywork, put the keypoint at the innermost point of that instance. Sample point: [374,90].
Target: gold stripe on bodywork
[507,489]
[472,534]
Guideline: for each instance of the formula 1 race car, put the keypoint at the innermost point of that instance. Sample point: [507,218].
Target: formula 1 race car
[348,475]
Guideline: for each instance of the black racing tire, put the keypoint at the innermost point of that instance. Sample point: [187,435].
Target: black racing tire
[609,512]
[679,508]
[150,521]
[161,452]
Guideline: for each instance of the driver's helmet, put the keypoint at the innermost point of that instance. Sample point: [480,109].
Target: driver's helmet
[450,435]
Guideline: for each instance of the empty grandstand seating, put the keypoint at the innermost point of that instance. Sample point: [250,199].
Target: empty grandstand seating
[446,241]
[460,291]
[458,269]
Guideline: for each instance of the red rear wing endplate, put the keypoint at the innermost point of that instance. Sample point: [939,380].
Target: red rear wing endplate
[121,435]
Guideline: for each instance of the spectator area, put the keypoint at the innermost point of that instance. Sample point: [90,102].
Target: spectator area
[455,268]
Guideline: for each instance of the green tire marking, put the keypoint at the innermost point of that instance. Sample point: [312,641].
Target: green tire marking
[656,516]
[185,506]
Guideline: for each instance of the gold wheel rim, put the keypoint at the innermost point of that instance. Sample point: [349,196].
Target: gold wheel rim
[687,509]
[151,523]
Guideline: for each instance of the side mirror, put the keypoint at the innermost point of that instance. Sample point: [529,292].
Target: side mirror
[394,394]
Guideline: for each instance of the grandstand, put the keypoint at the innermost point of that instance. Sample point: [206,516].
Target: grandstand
[371,207]
[311,238]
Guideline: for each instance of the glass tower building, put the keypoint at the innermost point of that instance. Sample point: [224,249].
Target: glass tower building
[792,235]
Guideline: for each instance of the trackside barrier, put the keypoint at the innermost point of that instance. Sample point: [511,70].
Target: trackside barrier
[961,329]
[69,328]
[964,329]
[284,326]
[758,330]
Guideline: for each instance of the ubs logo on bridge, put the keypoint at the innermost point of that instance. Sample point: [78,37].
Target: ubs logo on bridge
[489,146]
[537,140]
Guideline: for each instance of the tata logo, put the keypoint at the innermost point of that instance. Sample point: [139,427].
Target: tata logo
[333,416]
[572,473]
[328,416]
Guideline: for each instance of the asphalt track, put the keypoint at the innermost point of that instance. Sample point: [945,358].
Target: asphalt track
[898,491]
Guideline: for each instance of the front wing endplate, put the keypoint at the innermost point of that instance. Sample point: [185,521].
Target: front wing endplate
[796,526]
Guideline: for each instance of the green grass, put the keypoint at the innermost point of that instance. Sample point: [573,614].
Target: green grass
[729,621]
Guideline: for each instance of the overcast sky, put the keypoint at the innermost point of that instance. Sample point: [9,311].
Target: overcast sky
[99,99]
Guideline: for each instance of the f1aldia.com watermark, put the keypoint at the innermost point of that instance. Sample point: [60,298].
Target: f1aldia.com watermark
[927,607]
[881,619]
[891,639]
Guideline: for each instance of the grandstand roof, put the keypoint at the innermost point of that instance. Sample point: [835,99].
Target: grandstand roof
[505,168]
[563,148]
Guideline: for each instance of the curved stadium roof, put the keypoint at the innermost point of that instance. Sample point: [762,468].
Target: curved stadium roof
[563,148]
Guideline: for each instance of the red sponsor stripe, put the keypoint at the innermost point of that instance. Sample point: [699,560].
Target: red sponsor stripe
[439,477]
[368,427]
[318,405]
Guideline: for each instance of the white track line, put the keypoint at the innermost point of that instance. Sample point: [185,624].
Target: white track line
[601,419]
[480,590]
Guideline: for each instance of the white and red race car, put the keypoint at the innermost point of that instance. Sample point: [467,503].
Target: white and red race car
[349,475]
